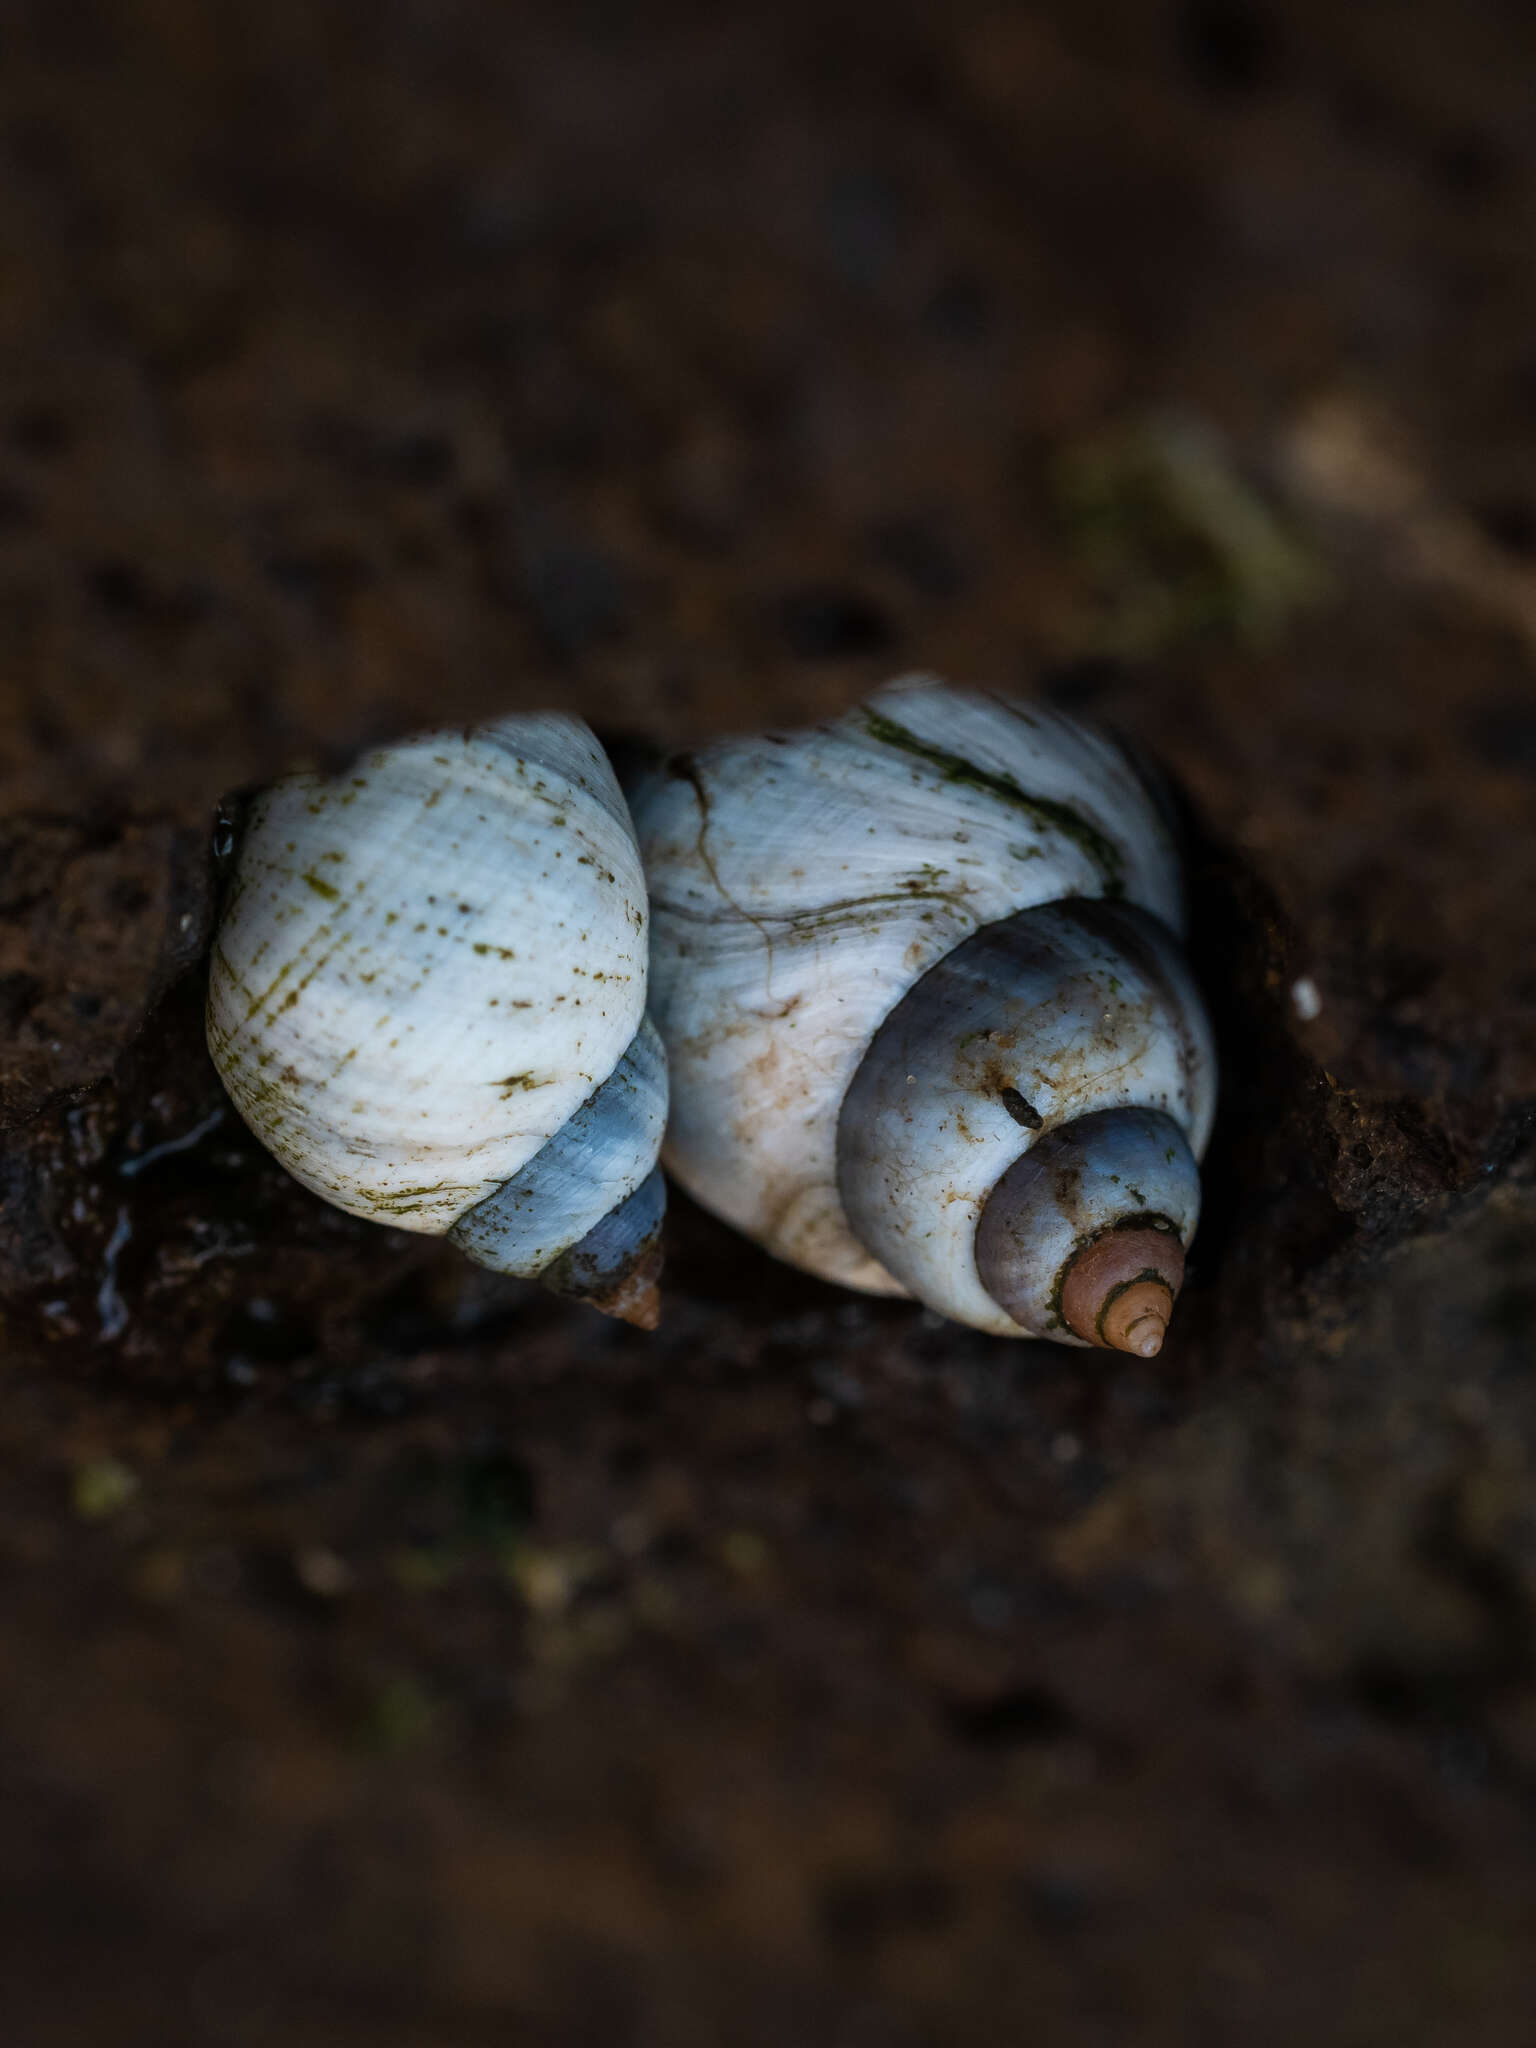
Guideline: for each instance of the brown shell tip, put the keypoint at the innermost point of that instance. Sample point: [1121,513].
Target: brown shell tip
[1137,1320]
[629,1290]
[637,1297]
[639,1303]
[1119,1289]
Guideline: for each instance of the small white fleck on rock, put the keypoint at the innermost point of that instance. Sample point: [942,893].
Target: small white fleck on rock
[1306,999]
[321,1572]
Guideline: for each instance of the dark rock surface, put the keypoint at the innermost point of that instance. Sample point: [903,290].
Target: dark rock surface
[394,1654]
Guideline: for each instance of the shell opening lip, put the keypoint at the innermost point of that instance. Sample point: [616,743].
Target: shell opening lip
[1118,1290]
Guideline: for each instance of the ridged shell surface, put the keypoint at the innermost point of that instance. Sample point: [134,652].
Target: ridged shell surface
[425,965]
[800,884]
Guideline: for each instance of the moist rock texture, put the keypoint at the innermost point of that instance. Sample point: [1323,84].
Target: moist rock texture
[392,1653]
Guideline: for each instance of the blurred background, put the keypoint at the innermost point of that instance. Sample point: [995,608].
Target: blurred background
[393,1654]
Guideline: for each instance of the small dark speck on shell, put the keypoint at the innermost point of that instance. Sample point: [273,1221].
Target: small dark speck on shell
[1020,1110]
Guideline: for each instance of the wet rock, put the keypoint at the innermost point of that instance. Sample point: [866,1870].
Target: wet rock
[95,924]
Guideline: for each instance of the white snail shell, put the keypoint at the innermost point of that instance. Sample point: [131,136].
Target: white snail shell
[427,998]
[897,956]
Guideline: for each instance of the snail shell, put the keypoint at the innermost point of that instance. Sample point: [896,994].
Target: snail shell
[427,999]
[928,1021]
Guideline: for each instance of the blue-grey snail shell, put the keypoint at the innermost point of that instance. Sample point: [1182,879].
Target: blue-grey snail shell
[920,977]
[427,999]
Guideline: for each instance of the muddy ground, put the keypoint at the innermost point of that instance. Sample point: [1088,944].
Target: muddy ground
[392,1655]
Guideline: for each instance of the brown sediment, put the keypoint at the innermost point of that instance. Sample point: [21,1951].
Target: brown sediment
[1120,1288]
